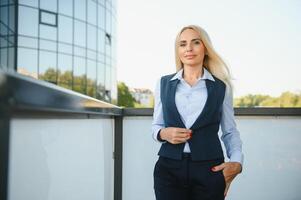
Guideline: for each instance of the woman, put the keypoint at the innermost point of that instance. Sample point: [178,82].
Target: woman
[190,105]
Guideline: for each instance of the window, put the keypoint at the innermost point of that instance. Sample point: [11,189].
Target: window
[91,78]
[48,18]
[108,78]
[108,21]
[47,66]
[79,75]
[65,48]
[65,29]
[92,12]
[80,9]
[101,41]
[100,80]
[49,5]
[65,71]
[48,45]
[3,58]
[91,37]
[78,51]
[28,21]
[28,62]
[65,7]
[27,42]
[79,33]
[101,17]
[108,39]
[33,3]
[48,24]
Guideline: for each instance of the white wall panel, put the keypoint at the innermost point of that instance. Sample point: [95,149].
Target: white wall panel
[61,159]
[272,167]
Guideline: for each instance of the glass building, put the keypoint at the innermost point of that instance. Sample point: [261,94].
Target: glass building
[71,43]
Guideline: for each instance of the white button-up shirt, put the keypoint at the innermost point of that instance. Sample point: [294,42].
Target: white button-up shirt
[190,101]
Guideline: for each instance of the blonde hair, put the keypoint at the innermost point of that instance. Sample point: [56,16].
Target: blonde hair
[212,61]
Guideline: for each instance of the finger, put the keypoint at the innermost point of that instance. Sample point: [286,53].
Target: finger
[183,130]
[182,135]
[226,189]
[218,167]
[176,142]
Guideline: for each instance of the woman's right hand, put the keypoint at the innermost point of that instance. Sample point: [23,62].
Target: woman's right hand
[175,135]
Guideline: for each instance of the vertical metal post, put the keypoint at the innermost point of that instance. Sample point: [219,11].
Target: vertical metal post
[118,158]
[4,151]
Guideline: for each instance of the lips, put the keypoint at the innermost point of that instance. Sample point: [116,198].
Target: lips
[189,56]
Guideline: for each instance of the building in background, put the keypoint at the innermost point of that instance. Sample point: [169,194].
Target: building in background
[71,43]
[143,96]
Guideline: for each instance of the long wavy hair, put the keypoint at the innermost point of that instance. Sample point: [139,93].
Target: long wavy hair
[212,61]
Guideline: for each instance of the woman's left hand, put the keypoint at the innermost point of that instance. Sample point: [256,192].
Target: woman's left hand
[230,171]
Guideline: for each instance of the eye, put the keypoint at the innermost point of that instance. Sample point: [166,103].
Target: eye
[197,42]
[182,44]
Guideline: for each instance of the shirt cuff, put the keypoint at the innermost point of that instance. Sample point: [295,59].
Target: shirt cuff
[237,156]
[156,135]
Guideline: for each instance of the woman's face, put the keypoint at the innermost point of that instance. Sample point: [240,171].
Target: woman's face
[191,49]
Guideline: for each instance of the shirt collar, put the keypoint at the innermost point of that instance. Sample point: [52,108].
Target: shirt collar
[206,75]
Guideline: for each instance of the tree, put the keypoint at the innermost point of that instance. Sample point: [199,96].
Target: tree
[286,99]
[125,98]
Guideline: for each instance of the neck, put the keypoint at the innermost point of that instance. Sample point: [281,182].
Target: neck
[192,73]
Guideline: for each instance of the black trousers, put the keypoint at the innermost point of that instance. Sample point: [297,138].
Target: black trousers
[188,180]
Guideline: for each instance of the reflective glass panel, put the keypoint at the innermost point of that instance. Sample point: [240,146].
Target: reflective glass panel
[65,48]
[101,41]
[91,54]
[100,80]
[101,2]
[91,78]
[79,33]
[108,78]
[80,9]
[65,7]
[65,29]
[48,5]
[28,21]
[101,17]
[79,75]
[4,22]
[11,19]
[33,3]
[47,66]
[3,2]
[3,42]
[28,62]
[11,58]
[48,32]
[48,45]
[27,42]
[108,22]
[101,57]
[92,12]
[3,58]
[79,51]
[48,18]
[65,71]
[92,37]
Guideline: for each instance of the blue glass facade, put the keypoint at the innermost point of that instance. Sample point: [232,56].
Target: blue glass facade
[71,43]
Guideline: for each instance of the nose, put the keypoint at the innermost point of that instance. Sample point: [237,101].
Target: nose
[188,47]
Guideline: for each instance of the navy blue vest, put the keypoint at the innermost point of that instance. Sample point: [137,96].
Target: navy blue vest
[204,143]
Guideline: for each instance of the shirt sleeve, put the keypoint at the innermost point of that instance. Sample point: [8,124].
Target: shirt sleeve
[230,134]
[158,121]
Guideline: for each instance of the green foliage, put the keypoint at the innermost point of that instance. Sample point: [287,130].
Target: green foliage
[80,83]
[286,99]
[125,98]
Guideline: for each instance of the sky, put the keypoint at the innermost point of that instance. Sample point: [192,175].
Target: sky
[260,40]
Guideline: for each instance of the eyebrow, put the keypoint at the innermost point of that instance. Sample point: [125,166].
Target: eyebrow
[195,39]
